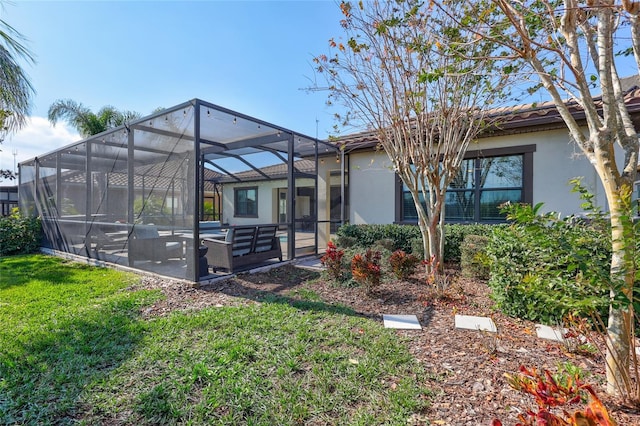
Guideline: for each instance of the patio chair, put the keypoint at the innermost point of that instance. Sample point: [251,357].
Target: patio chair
[146,243]
[111,237]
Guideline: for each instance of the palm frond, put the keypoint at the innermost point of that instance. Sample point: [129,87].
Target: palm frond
[15,91]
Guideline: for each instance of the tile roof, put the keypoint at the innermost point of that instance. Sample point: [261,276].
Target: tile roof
[517,119]
[161,175]
[277,171]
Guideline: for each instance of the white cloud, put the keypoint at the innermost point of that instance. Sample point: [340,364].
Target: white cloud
[38,137]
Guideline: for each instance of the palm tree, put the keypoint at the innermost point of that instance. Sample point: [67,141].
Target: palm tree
[16,90]
[85,121]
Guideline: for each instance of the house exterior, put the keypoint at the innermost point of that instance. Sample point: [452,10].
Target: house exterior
[527,157]
[8,199]
[264,198]
[166,177]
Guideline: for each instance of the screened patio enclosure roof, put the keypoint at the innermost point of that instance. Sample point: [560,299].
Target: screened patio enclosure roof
[229,142]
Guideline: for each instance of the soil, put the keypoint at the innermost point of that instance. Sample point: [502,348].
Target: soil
[465,369]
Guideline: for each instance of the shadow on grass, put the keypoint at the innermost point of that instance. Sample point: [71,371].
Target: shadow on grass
[22,269]
[276,286]
[286,285]
[45,384]
[48,366]
[309,305]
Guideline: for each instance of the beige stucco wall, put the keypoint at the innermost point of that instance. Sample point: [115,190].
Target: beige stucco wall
[372,182]
[267,201]
[556,160]
[325,166]
[372,188]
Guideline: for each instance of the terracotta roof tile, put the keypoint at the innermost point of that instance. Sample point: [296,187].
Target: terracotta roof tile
[514,119]
[277,171]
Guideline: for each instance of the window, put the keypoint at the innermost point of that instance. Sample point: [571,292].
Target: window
[486,180]
[246,202]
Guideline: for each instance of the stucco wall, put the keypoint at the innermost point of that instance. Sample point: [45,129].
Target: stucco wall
[372,188]
[556,160]
[267,202]
[325,166]
[329,175]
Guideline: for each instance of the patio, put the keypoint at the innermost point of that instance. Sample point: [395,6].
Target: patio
[136,195]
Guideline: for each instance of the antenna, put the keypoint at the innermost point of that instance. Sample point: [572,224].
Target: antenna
[15,153]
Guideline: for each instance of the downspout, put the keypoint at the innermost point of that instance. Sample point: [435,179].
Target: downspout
[342,188]
[315,213]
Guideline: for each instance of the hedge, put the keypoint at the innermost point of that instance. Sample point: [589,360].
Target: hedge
[19,235]
[408,238]
[545,268]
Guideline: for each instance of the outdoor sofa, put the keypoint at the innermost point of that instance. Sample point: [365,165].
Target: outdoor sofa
[243,246]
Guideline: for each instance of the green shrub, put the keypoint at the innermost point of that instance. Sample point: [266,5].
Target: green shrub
[408,238]
[417,248]
[346,241]
[367,235]
[385,243]
[474,260]
[19,235]
[543,267]
[454,234]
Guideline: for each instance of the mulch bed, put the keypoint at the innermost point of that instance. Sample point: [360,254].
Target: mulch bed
[465,368]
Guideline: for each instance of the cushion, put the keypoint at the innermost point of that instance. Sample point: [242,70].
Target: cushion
[210,225]
[241,252]
[144,232]
[264,245]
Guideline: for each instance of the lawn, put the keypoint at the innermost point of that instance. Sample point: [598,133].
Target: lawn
[76,349]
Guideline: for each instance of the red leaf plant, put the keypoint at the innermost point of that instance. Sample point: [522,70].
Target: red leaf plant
[332,260]
[403,264]
[366,270]
[550,394]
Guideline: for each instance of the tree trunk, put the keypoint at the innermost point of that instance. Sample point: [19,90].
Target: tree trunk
[436,242]
[431,231]
[442,234]
[620,311]
[618,191]
[424,231]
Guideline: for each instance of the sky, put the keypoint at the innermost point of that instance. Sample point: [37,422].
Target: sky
[254,57]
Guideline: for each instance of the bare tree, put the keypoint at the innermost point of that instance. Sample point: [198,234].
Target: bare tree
[403,71]
[571,46]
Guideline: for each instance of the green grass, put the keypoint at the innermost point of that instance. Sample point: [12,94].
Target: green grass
[74,349]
